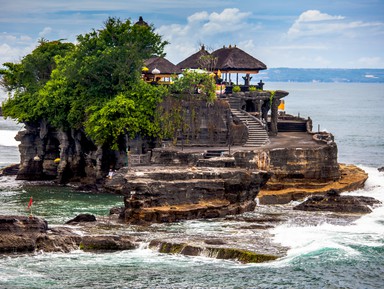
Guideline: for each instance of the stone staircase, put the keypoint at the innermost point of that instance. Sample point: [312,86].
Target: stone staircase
[257,135]
[213,153]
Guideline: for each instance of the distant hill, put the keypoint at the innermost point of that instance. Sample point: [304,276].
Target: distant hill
[321,75]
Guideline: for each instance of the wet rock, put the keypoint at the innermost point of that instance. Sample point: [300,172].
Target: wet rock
[381,169]
[22,224]
[258,227]
[11,243]
[82,218]
[11,170]
[116,210]
[108,243]
[59,241]
[214,242]
[243,256]
[261,219]
[88,188]
[19,233]
[334,202]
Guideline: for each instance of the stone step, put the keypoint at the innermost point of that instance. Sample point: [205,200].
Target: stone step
[213,153]
[257,136]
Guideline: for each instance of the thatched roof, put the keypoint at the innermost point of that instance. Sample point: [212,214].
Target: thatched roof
[194,61]
[141,22]
[162,64]
[236,60]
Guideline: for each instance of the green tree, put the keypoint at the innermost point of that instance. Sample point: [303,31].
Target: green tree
[129,113]
[106,63]
[200,85]
[25,79]
[94,86]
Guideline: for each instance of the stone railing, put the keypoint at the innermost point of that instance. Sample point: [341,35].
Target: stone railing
[139,159]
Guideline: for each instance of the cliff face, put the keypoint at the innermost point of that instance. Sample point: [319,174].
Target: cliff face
[46,154]
[310,163]
[69,155]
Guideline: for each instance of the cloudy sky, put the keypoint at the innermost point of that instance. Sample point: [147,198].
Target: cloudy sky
[281,33]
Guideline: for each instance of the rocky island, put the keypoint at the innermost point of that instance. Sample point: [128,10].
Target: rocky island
[198,147]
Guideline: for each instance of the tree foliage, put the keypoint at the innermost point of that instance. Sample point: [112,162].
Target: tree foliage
[200,85]
[129,113]
[25,79]
[94,84]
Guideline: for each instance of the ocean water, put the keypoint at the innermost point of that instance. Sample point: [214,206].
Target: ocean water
[324,251]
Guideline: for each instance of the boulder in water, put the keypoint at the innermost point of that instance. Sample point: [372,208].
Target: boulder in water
[19,233]
[82,218]
[334,202]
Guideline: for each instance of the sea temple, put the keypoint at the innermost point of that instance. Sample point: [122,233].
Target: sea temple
[228,144]
[223,154]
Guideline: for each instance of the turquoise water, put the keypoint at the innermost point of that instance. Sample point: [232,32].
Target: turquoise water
[323,253]
[56,204]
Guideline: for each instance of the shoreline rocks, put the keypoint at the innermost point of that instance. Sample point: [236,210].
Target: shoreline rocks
[16,239]
[283,191]
[243,256]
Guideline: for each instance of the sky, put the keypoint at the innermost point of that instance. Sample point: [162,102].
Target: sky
[280,33]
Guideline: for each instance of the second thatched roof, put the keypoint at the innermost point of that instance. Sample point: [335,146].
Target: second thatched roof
[233,59]
[195,60]
[163,65]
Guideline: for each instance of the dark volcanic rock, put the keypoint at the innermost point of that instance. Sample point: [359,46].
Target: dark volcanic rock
[11,170]
[243,256]
[22,234]
[336,203]
[92,243]
[19,233]
[169,194]
[116,210]
[22,224]
[82,218]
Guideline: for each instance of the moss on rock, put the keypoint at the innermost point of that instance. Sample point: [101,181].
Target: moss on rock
[240,255]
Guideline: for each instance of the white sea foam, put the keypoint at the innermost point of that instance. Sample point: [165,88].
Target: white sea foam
[368,230]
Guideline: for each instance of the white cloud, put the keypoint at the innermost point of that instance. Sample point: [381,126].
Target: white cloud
[198,17]
[46,31]
[316,15]
[370,62]
[13,53]
[313,23]
[229,20]
[211,29]
[13,47]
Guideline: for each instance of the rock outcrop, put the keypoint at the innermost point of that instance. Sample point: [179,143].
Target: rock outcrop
[334,202]
[282,191]
[20,234]
[107,243]
[168,194]
[27,234]
[243,256]
[82,218]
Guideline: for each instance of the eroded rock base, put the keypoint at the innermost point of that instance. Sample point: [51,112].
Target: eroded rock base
[168,194]
[283,191]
